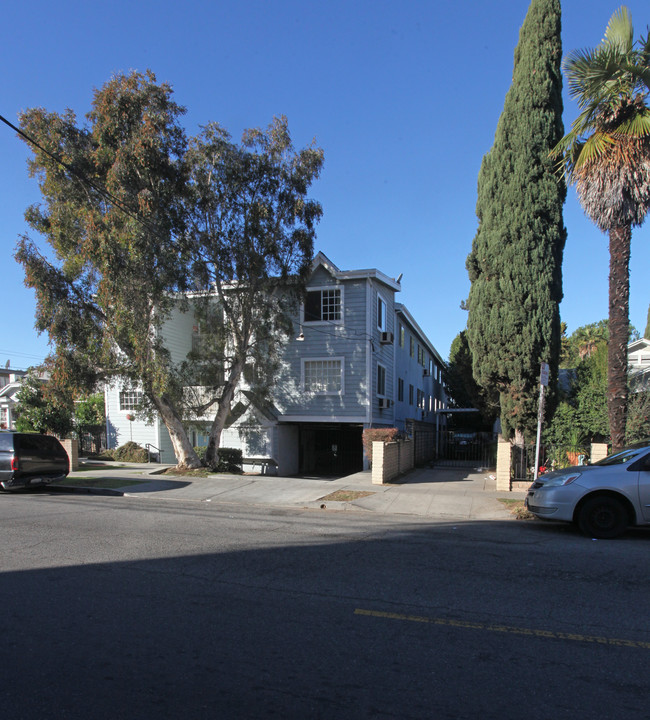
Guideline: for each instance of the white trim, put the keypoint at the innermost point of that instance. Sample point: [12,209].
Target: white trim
[380,327]
[134,396]
[322,260]
[371,274]
[351,419]
[640,344]
[320,288]
[326,358]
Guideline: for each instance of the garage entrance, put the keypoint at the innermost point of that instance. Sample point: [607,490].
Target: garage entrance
[330,449]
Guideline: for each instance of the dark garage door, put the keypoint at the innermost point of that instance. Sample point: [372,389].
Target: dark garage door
[330,449]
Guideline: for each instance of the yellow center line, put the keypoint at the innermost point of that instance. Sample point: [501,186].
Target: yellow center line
[575,637]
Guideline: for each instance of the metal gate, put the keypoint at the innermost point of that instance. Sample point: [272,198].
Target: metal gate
[461,448]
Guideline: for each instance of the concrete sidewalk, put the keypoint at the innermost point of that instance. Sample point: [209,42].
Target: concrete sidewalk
[447,493]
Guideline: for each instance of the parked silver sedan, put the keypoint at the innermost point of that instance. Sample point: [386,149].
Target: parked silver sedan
[603,499]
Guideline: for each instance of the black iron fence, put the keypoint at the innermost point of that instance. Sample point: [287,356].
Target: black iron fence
[459,449]
[551,457]
[89,444]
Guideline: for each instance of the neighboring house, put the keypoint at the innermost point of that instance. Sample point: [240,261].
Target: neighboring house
[10,381]
[638,358]
[358,360]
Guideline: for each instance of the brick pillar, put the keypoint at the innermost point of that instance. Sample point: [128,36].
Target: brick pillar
[71,446]
[504,463]
[378,449]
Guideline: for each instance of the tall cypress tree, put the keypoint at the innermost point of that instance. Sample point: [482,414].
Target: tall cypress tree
[515,265]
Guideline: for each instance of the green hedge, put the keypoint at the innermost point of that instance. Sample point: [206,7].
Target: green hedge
[231,460]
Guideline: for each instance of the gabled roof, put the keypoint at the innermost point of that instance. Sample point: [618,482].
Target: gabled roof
[639,344]
[9,390]
[321,260]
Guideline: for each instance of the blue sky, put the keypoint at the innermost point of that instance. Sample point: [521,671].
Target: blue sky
[404,98]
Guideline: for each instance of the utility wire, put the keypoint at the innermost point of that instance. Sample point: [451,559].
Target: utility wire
[84,180]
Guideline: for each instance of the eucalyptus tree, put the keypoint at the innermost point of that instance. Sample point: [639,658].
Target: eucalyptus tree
[112,202]
[140,223]
[606,155]
[251,229]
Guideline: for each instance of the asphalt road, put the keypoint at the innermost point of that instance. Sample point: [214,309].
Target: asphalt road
[124,608]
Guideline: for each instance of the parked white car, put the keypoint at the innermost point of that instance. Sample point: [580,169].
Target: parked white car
[603,499]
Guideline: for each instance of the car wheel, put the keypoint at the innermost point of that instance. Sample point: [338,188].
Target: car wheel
[603,517]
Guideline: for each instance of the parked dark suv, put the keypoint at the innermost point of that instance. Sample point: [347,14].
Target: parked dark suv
[31,459]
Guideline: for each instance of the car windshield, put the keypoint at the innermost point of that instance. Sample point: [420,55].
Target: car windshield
[624,456]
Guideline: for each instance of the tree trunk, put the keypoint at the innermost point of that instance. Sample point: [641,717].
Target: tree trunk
[619,332]
[186,456]
[219,422]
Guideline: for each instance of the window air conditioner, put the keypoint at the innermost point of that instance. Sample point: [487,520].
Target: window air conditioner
[386,338]
[384,403]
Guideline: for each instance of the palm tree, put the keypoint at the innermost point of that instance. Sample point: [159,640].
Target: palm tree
[607,155]
[588,337]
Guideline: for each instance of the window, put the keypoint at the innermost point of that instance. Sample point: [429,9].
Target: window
[323,377]
[400,389]
[381,313]
[401,335]
[411,346]
[420,355]
[130,399]
[323,305]
[381,380]
[410,394]
[420,399]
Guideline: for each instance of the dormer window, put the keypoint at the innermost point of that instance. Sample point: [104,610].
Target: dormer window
[323,305]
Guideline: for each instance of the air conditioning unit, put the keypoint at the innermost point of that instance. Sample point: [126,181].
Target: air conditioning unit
[426,373]
[384,403]
[386,338]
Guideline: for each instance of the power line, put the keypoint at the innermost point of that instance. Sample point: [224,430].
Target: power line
[82,178]
[21,354]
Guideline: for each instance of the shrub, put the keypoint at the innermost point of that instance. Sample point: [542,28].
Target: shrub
[371,435]
[131,452]
[200,452]
[230,459]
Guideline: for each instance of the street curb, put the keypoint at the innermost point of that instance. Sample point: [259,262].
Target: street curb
[80,490]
